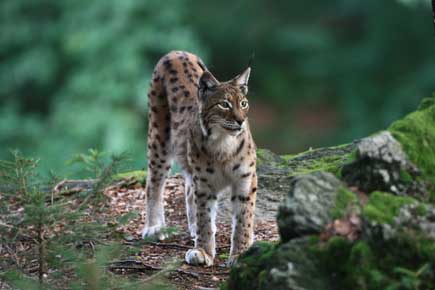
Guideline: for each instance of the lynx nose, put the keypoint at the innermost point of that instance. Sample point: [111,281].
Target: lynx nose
[239,122]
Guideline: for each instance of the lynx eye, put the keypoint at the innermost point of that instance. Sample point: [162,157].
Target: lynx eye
[244,104]
[225,105]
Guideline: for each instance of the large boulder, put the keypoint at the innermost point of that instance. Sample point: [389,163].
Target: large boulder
[308,206]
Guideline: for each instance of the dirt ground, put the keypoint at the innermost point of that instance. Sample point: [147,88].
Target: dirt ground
[154,255]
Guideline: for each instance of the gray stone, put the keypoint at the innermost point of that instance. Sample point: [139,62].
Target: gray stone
[308,205]
[381,164]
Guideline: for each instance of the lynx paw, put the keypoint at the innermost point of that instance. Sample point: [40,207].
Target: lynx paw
[198,257]
[154,231]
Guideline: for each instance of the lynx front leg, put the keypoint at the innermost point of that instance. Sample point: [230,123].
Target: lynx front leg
[190,204]
[243,204]
[206,203]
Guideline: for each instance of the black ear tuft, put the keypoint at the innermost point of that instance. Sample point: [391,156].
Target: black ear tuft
[242,80]
[207,82]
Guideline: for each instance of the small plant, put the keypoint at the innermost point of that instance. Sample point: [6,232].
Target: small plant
[103,168]
[49,241]
[224,256]
[21,190]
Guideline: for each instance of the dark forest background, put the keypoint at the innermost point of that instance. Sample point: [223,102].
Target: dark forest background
[74,74]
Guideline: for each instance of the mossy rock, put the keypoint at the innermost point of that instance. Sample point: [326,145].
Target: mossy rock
[275,173]
[250,270]
[312,202]
[381,164]
[345,201]
[295,268]
[286,266]
[383,207]
[416,133]
[404,261]
[330,159]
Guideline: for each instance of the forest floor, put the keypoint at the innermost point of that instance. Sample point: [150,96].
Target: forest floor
[154,255]
[147,258]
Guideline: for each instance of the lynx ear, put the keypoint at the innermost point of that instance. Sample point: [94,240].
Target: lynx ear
[242,80]
[207,82]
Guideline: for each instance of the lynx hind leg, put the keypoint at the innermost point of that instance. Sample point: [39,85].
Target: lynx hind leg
[190,204]
[159,161]
[243,204]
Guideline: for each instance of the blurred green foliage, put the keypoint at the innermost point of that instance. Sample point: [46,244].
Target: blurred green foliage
[75,73]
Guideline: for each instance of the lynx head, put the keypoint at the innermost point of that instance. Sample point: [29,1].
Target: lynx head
[224,106]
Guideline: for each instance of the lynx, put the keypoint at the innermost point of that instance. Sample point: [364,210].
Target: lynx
[202,124]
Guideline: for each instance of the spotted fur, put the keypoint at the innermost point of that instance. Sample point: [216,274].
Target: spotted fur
[202,124]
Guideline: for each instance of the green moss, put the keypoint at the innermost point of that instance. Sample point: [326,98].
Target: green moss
[383,207]
[328,164]
[361,255]
[344,201]
[224,256]
[262,277]
[246,274]
[376,264]
[329,159]
[404,261]
[335,251]
[405,177]
[421,209]
[139,175]
[416,133]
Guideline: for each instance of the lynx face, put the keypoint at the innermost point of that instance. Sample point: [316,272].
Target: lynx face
[224,106]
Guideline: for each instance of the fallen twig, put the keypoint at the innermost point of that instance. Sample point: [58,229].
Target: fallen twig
[170,245]
[69,185]
[131,264]
[179,246]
